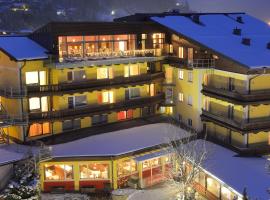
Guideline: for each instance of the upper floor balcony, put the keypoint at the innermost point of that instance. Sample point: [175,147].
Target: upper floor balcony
[93,84]
[235,119]
[96,109]
[233,90]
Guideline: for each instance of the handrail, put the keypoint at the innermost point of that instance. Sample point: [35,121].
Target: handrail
[94,83]
[96,108]
[202,63]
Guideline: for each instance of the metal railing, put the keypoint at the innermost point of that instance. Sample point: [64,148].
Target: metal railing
[95,109]
[93,84]
[112,54]
[202,63]
[13,93]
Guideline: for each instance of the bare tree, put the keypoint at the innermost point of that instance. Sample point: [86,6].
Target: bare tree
[189,156]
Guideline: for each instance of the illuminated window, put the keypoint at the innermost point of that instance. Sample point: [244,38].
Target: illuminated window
[158,40]
[126,167]
[122,115]
[171,48]
[132,70]
[104,73]
[106,97]
[190,76]
[169,74]
[181,74]
[34,103]
[35,78]
[94,171]
[58,172]
[181,97]
[181,52]
[213,186]
[39,129]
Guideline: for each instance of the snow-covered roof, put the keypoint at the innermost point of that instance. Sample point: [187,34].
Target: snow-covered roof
[238,172]
[215,32]
[11,153]
[120,142]
[22,48]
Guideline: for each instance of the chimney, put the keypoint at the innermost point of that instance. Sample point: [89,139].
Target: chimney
[268,45]
[237,31]
[246,41]
[196,19]
[239,19]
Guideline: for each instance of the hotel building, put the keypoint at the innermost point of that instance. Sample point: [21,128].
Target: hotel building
[208,72]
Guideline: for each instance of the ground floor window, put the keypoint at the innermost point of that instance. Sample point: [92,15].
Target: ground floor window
[126,167]
[39,129]
[94,171]
[58,172]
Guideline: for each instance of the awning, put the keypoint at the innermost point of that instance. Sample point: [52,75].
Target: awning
[153,155]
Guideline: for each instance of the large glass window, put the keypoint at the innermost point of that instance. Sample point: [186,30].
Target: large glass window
[92,46]
[213,186]
[39,129]
[126,167]
[58,172]
[158,40]
[94,171]
[38,104]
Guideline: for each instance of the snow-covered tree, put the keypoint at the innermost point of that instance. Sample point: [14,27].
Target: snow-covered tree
[190,155]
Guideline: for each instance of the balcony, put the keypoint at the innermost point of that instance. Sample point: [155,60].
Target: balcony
[242,125]
[240,97]
[91,110]
[109,58]
[91,85]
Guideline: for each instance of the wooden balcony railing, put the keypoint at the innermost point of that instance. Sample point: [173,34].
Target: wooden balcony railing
[244,125]
[90,85]
[91,110]
[242,98]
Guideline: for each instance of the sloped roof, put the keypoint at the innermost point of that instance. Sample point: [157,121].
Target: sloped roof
[22,48]
[237,172]
[215,31]
[120,142]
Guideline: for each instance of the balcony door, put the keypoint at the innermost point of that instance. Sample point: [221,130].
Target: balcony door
[190,56]
[230,111]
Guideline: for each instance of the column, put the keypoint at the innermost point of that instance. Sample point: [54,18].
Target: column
[76,172]
[114,174]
